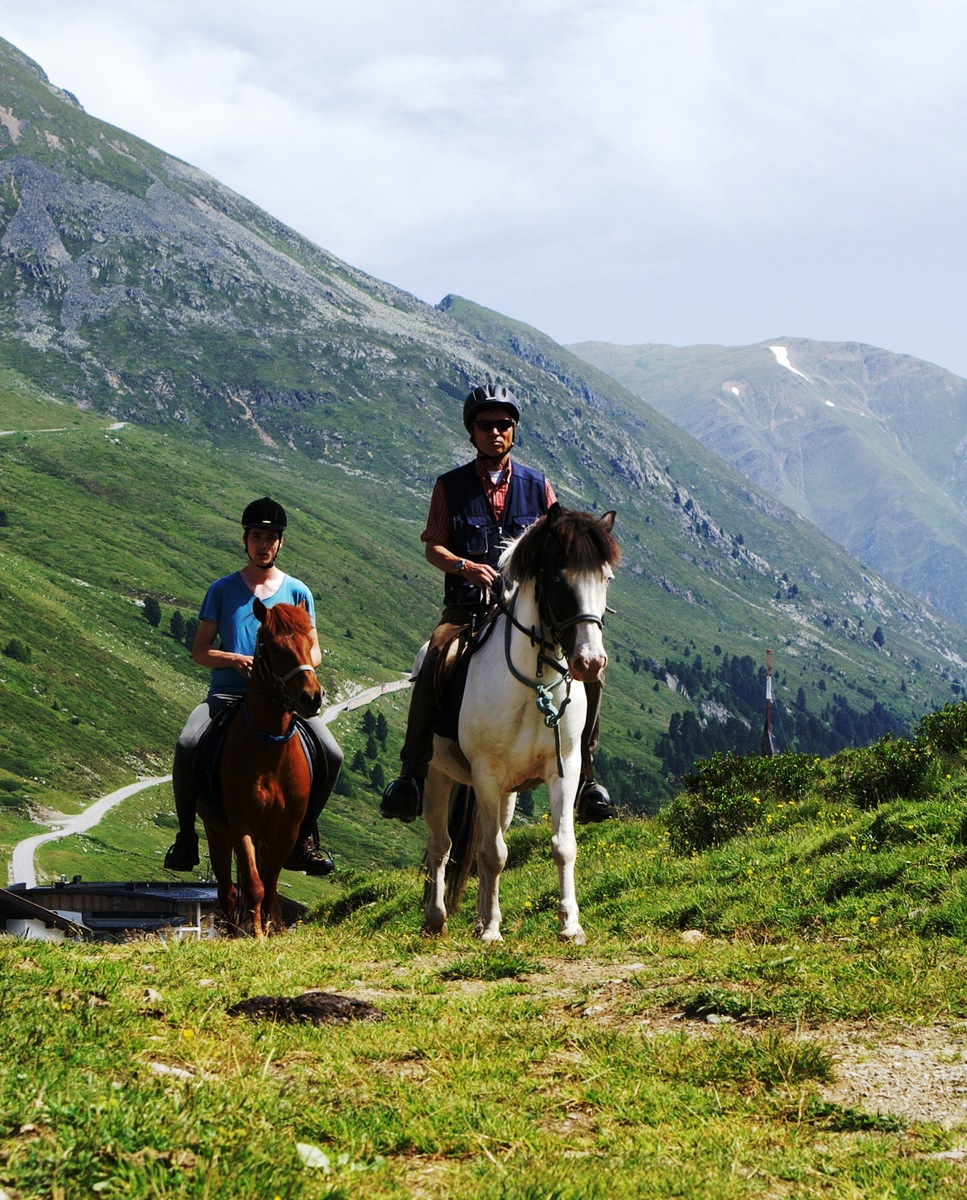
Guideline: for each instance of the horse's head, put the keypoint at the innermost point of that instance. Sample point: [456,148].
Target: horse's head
[570,557]
[283,657]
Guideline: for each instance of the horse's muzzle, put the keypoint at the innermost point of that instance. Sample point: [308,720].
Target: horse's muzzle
[309,702]
[587,668]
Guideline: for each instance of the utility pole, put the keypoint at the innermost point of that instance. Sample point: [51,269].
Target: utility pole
[766,748]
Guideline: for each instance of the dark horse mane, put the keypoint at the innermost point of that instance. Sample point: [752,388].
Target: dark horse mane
[578,541]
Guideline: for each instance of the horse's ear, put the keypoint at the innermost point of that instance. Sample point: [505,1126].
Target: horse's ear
[554,513]
[607,521]
[259,609]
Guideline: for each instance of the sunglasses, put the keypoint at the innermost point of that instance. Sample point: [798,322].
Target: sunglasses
[499,426]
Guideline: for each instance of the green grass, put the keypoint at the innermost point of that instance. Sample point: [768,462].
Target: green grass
[699,1064]
[534,1069]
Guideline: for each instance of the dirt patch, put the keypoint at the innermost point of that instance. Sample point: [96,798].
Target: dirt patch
[911,1072]
[46,817]
[894,1069]
[916,1072]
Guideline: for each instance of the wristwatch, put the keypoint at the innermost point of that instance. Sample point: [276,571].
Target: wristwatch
[459,566]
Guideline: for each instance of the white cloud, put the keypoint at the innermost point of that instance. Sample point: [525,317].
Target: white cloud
[616,154]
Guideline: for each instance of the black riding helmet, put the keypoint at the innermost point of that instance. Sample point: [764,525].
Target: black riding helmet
[264,514]
[486,396]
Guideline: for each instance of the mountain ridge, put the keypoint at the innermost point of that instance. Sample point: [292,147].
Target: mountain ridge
[247,360]
[869,445]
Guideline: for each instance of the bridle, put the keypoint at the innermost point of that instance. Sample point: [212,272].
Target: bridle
[547,639]
[276,684]
[554,625]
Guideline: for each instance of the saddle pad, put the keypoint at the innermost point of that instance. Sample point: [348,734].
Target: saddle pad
[208,754]
[450,699]
[452,668]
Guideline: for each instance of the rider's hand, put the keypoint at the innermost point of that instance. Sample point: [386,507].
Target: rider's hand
[479,574]
[243,664]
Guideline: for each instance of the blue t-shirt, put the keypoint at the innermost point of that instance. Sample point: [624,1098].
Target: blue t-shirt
[228,603]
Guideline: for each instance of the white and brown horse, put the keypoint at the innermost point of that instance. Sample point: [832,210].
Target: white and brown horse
[521,718]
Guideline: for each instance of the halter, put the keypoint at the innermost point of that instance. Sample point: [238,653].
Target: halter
[555,628]
[276,683]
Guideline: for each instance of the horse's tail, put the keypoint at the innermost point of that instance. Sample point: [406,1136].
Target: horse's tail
[462,828]
[463,838]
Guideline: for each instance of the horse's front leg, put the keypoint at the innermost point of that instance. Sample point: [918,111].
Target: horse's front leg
[253,892]
[562,794]
[271,861]
[436,814]
[491,858]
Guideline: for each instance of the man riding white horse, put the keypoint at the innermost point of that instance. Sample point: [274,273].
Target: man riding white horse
[475,511]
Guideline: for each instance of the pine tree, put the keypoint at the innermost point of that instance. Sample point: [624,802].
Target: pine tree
[152,611]
[191,628]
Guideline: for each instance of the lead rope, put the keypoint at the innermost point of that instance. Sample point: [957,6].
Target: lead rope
[545,694]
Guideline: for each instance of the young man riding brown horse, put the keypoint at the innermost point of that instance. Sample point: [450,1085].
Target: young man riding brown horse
[225,643]
[475,511]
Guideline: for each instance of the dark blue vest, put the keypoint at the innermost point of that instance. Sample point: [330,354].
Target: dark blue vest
[476,534]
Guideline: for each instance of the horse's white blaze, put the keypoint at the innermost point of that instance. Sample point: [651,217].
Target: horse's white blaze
[589,657]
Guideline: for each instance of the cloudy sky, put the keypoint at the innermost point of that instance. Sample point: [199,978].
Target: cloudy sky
[680,171]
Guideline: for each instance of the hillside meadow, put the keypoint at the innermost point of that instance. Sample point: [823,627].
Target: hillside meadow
[779,1013]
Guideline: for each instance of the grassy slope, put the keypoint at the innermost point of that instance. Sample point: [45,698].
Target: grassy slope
[533,1069]
[100,517]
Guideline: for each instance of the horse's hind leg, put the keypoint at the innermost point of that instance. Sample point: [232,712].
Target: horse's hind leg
[436,810]
[220,856]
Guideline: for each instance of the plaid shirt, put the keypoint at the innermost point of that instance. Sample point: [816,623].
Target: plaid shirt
[439,524]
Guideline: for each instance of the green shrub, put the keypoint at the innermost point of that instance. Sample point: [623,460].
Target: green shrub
[17,650]
[698,821]
[871,775]
[789,777]
[945,729]
[726,796]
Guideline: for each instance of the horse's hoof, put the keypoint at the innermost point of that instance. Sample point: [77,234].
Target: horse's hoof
[573,939]
[490,937]
[432,931]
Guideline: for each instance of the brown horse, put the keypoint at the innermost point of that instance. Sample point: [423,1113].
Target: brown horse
[264,773]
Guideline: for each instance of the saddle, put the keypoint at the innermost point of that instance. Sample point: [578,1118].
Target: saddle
[452,665]
[208,755]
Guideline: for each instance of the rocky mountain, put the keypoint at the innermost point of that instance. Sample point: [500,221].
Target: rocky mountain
[869,445]
[134,287]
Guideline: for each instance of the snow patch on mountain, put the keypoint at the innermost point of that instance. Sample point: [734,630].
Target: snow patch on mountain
[782,358]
